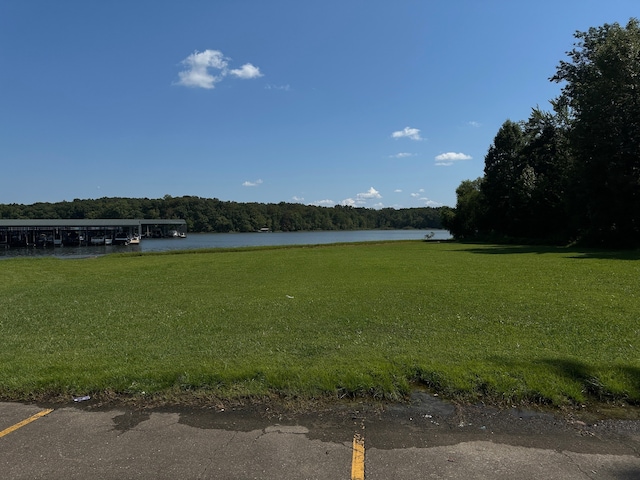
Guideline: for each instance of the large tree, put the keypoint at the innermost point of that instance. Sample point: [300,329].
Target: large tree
[602,92]
[468,218]
[544,179]
[503,169]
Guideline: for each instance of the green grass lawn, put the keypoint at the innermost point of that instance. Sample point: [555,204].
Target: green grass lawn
[506,324]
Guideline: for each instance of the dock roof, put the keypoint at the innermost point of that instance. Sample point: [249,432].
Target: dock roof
[89,222]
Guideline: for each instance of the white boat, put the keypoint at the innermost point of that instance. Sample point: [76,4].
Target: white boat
[135,240]
[172,233]
[121,239]
[108,240]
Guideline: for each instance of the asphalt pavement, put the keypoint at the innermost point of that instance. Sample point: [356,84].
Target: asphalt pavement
[427,438]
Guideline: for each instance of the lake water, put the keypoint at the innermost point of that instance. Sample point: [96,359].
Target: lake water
[230,240]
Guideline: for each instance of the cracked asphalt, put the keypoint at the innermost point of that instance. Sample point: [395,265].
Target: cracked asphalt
[426,438]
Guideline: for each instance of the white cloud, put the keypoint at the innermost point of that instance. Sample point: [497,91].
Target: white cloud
[447,159]
[324,203]
[397,190]
[252,184]
[431,203]
[246,71]
[371,193]
[197,73]
[402,155]
[297,199]
[415,195]
[361,198]
[408,132]
[452,156]
[199,67]
[475,124]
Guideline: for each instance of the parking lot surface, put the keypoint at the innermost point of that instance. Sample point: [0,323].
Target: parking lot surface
[427,438]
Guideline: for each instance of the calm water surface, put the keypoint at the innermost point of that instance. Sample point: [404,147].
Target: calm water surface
[229,240]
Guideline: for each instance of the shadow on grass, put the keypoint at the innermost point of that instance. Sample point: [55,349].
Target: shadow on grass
[589,378]
[576,253]
[580,372]
[486,249]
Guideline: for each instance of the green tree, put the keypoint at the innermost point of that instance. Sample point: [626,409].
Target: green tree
[602,92]
[544,178]
[470,212]
[503,170]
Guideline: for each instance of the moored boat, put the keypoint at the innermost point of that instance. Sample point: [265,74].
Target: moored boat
[99,240]
[121,239]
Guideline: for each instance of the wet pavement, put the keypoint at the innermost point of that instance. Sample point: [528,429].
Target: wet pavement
[427,438]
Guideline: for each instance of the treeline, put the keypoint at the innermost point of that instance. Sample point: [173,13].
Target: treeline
[213,215]
[572,174]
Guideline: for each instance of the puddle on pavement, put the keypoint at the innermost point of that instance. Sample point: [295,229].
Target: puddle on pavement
[435,405]
[424,404]
[129,420]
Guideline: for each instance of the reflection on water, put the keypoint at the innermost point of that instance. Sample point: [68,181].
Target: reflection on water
[229,240]
[68,252]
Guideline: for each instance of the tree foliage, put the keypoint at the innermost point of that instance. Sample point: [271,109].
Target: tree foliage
[502,171]
[467,219]
[573,173]
[213,215]
[602,91]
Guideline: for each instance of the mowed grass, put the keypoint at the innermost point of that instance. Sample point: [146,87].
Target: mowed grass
[505,324]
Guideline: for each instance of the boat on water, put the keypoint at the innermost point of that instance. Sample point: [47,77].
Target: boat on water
[121,239]
[135,240]
[101,240]
[44,241]
[176,234]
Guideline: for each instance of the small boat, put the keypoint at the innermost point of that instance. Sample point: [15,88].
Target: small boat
[182,235]
[121,239]
[44,241]
[135,240]
[172,233]
[101,240]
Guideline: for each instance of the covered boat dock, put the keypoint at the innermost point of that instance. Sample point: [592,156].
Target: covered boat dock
[59,232]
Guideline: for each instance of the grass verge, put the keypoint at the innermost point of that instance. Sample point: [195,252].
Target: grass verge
[504,324]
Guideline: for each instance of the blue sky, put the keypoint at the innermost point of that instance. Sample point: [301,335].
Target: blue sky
[363,103]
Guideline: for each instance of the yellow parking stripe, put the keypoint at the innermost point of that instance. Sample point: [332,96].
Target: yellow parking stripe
[357,459]
[15,427]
